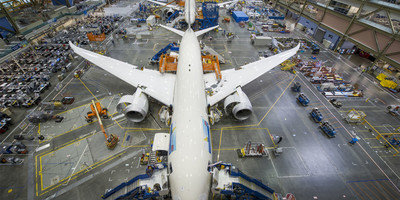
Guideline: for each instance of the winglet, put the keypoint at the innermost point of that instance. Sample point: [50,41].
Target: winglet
[201,32]
[173,30]
[71,45]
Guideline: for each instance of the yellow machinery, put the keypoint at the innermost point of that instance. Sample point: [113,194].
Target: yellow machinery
[381,77]
[226,20]
[386,83]
[389,84]
[78,73]
[288,66]
[111,141]
[96,111]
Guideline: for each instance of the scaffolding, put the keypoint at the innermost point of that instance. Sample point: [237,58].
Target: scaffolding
[169,63]
[208,17]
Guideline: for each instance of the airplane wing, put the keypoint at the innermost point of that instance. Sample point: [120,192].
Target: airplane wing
[226,3]
[175,7]
[157,85]
[232,78]
[174,30]
[201,32]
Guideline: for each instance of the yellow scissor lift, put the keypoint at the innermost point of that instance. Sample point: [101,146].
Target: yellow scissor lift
[288,65]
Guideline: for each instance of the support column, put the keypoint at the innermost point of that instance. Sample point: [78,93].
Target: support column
[9,18]
[345,36]
[381,54]
[67,3]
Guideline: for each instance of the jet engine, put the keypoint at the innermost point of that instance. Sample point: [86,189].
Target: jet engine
[169,12]
[134,107]
[238,104]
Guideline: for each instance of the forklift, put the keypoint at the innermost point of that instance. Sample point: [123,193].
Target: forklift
[328,129]
[336,103]
[296,87]
[303,100]
[98,111]
[316,115]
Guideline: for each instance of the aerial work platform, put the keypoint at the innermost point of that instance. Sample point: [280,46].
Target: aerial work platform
[227,180]
[169,63]
[144,186]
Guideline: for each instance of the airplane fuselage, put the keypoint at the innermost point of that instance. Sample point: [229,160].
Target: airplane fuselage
[190,142]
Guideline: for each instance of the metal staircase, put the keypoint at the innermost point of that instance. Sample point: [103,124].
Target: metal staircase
[232,182]
[144,186]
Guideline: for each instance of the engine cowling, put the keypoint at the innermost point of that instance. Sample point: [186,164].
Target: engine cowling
[135,107]
[169,12]
[238,104]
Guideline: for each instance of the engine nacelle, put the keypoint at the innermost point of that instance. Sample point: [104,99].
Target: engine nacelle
[134,107]
[238,104]
[169,12]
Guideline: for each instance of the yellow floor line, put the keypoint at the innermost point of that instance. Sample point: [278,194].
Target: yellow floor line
[390,133]
[269,110]
[389,156]
[88,90]
[272,139]
[378,147]
[36,175]
[258,124]
[396,151]
[76,175]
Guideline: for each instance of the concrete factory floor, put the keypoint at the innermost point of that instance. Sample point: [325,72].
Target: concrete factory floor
[75,163]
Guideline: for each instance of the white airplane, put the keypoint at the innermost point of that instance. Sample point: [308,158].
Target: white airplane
[176,7]
[190,152]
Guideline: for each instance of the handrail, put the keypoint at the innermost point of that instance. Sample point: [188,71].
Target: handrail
[124,184]
[252,192]
[253,180]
